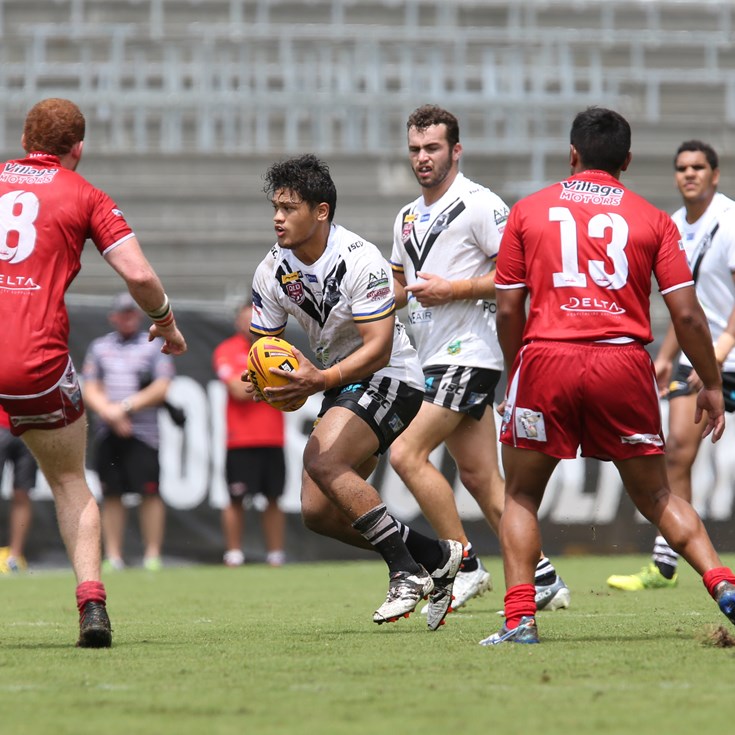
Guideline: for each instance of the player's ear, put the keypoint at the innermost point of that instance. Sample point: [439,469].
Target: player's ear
[573,156]
[627,161]
[457,152]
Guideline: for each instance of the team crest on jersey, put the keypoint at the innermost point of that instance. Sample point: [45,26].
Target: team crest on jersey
[441,223]
[408,221]
[331,291]
[295,291]
[454,348]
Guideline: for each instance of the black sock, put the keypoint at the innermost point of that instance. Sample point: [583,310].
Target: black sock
[470,560]
[425,550]
[379,528]
[666,570]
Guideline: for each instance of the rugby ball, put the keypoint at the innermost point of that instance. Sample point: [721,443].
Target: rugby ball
[265,353]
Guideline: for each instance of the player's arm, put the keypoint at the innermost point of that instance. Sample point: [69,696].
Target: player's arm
[145,287]
[664,362]
[695,339]
[511,321]
[399,288]
[433,290]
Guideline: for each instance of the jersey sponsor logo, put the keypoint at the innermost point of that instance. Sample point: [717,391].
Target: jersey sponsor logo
[377,280]
[17,283]
[590,305]
[419,316]
[14,173]
[379,294]
[425,217]
[653,439]
[501,215]
[588,192]
[311,278]
[290,277]
[355,245]
[454,348]
[117,212]
[530,424]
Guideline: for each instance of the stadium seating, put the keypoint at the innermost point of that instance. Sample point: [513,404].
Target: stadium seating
[189,100]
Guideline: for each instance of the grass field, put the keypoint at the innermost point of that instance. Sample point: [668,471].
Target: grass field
[259,651]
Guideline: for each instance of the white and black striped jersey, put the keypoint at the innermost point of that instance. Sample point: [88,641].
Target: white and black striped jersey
[457,237]
[349,284]
[709,244]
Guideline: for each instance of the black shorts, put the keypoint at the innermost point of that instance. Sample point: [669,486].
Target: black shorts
[680,387]
[465,389]
[126,465]
[255,471]
[386,405]
[13,450]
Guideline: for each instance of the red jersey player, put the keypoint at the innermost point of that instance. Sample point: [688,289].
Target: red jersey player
[47,211]
[584,250]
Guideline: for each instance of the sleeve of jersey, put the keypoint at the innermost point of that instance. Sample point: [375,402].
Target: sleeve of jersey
[269,317]
[396,256]
[510,267]
[371,287]
[490,215]
[108,227]
[727,225]
[670,267]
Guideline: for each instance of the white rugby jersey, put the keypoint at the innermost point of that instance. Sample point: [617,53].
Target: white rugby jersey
[716,257]
[349,284]
[456,237]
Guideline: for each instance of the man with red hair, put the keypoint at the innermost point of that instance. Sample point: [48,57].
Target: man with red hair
[47,211]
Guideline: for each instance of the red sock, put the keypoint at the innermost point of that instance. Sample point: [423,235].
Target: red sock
[714,576]
[519,601]
[90,592]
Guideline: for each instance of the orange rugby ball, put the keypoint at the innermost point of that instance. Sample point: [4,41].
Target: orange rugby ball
[268,352]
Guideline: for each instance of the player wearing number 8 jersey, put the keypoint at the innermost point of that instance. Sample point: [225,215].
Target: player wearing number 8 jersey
[47,212]
[584,251]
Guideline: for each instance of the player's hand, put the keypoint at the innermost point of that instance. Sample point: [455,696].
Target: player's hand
[251,390]
[500,408]
[664,370]
[173,341]
[302,383]
[711,402]
[431,290]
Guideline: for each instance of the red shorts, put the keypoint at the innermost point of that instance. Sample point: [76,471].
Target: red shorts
[600,397]
[60,406]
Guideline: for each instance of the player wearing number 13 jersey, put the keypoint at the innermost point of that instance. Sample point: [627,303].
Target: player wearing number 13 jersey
[584,251]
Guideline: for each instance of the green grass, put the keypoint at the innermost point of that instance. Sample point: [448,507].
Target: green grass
[255,650]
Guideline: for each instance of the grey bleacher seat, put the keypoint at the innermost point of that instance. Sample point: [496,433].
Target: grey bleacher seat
[225,86]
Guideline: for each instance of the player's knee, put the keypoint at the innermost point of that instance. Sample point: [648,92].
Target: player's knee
[401,459]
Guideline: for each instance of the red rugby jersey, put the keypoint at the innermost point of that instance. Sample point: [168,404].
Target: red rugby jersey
[46,214]
[585,249]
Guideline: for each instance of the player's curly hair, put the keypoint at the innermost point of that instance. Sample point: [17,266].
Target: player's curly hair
[602,139]
[307,176]
[53,126]
[428,115]
[697,145]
